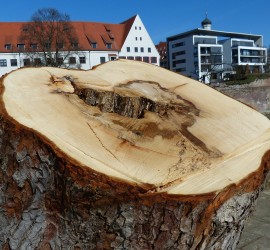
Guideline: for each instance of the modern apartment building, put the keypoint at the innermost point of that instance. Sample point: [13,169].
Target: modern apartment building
[209,55]
[97,43]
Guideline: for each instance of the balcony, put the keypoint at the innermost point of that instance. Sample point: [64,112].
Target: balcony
[205,62]
[211,52]
[252,52]
[252,61]
[205,53]
[206,68]
[216,53]
[251,55]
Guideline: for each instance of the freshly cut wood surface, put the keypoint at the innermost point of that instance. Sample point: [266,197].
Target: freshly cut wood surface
[194,141]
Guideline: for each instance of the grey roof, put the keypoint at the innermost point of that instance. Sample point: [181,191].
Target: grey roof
[214,33]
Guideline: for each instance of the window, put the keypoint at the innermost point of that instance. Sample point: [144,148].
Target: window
[128,49]
[60,45]
[153,60]
[102,59]
[26,62]
[122,57]
[135,27]
[140,38]
[138,58]
[136,38]
[3,63]
[60,61]
[178,62]
[180,70]
[20,46]
[109,45]
[112,58]
[146,59]
[47,45]
[140,28]
[37,61]
[48,61]
[82,60]
[175,54]
[142,49]
[75,45]
[136,49]
[8,46]
[33,46]
[130,57]
[13,62]
[94,45]
[178,44]
[72,60]
[149,50]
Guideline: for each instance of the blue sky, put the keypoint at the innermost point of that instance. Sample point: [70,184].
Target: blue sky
[161,18]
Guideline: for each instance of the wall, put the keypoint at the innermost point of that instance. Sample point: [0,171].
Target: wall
[144,41]
[8,68]
[256,94]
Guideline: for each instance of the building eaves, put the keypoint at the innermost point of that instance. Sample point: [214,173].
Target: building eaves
[214,33]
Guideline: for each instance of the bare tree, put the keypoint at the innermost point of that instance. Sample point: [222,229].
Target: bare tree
[267,66]
[49,35]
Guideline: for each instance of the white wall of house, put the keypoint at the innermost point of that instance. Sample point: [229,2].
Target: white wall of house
[7,58]
[252,48]
[5,62]
[214,67]
[139,38]
[85,54]
[92,58]
[98,57]
[82,59]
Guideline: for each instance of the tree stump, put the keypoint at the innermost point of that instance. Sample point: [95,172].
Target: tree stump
[125,156]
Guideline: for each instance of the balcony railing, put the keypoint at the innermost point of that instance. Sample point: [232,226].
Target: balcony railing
[251,55]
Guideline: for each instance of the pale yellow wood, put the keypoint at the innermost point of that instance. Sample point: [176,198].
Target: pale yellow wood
[235,136]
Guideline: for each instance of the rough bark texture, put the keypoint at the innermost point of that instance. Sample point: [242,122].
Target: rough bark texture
[133,106]
[48,202]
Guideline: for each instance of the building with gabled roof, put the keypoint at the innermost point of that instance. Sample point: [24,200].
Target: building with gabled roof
[138,45]
[162,50]
[97,43]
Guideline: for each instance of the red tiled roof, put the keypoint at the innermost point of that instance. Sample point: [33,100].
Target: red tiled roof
[87,33]
[162,50]
[161,46]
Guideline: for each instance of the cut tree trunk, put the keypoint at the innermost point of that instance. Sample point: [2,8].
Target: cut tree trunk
[125,156]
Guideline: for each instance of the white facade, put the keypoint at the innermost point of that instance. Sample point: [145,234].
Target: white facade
[196,56]
[209,61]
[98,57]
[244,51]
[139,45]
[209,55]
[6,65]
[137,39]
